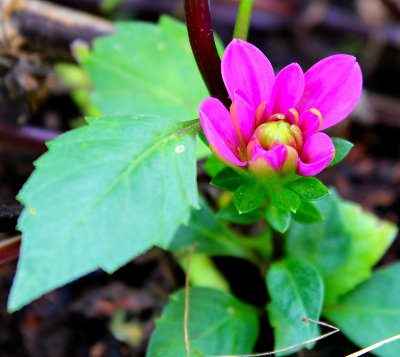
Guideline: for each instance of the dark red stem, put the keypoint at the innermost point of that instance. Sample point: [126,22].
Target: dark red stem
[9,249]
[201,35]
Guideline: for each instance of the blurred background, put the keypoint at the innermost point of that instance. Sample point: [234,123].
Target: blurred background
[42,94]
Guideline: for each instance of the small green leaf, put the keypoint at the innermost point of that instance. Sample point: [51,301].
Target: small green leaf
[218,324]
[342,148]
[285,199]
[370,313]
[296,291]
[208,236]
[231,214]
[228,180]
[309,188]
[100,196]
[277,218]
[307,213]
[248,197]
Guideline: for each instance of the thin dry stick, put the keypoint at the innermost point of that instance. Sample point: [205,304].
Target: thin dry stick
[305,319]
[374,346]
[186,318]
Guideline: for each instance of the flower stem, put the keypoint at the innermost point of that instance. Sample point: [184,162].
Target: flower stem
[201,35]
[243,19]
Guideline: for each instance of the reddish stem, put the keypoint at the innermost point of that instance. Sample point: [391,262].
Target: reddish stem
[9,249]
[201,35]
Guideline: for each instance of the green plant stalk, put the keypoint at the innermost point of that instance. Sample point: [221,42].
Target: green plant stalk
[243,19]
[203,271]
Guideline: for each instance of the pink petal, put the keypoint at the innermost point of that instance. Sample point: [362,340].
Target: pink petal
[243,115]
[310,122]
[333,86]
[318,151]
[275,156]
[219,131]
[288,89]
[246,68]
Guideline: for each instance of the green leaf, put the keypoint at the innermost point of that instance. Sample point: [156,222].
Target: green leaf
[228,180]
[206,235]
[277,218]
[307,213]
[218,324]
[309,188]
[344,247]
[296,291]
[212,166]
[146,68]
[285,199]
[103,194]
[370,238]
[371,312]
[324,244]
[248,197]
[231,214]
[342,148]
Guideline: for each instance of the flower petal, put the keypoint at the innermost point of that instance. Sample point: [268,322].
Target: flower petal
[318,151]
[333,86]
[288,89]
[275,156]
[310,122]
[243,115]
[245,67]
[219,131]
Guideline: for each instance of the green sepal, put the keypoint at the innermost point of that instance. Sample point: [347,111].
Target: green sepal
[278,219]
[309,188]
[342,149]
[231,214]
[248,197]
[212,166]
[228,180]
[308,213]
[285,199]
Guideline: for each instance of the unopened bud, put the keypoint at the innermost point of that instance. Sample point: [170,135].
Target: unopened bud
[279,132]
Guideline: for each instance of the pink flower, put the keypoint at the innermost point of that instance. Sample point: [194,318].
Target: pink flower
[274,123]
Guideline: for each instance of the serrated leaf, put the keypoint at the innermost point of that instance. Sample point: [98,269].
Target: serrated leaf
[370,238]
[370,313]
[285,199]
[248,197]
[218,324]
[342,149]
[309,188]
[207,235]
[296,291]
[231,214]
[308,213]
[228,180]
[146,68]
[103,194]
[277,218]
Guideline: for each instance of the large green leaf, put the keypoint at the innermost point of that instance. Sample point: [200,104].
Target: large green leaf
[103,194]
[371,312]
[146,68]
[344,247]
[370,238]
[325,244]
[296,290]
[218,324]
